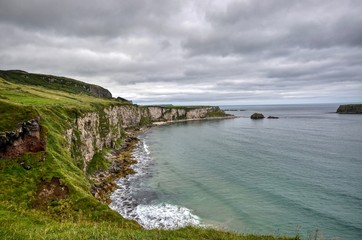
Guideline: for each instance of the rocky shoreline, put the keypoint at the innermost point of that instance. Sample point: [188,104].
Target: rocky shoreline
[104,182]
[121,161]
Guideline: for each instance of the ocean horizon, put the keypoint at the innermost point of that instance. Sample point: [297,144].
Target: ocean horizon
[299,174]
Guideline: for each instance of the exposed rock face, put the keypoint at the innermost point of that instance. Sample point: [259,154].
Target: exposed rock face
[26,138]
[94,131]
[155,112]
[168,114]
[350,109]
[197,113]
[99,91]
[257,116]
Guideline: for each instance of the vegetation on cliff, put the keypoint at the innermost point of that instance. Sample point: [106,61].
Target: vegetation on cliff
[54,82]
[46,194]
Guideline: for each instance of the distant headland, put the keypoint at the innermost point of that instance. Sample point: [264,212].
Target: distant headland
[350,109]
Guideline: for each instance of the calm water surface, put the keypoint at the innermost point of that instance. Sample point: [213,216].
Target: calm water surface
[295,174]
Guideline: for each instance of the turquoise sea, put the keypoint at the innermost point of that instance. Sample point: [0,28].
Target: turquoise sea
[301,173]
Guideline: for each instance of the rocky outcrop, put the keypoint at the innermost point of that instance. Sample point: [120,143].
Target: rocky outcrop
[256,116]
[350,109]
[25,138]
[99,91]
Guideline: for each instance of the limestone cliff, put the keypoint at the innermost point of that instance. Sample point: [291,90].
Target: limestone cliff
[94,131]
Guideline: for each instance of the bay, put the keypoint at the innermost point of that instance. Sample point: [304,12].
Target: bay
[301,173]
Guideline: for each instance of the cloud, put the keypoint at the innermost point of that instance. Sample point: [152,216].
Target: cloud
[173,51]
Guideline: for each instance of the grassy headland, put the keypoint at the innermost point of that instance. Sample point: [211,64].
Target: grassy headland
[69,211]
[350,109]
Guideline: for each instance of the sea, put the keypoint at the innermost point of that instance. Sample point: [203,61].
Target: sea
[298,174]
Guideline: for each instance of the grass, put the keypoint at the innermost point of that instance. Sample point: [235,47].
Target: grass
[48,81]
[32,225]
[79,215]
[98,162]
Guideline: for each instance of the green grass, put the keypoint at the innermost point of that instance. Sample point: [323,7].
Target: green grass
[48,81]
[33,225]
[39,95]
[98,162]
[79,215]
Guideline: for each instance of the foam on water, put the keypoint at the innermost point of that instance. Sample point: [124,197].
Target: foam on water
[133,201]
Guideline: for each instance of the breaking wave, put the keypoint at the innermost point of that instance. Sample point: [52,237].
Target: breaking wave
[134,201]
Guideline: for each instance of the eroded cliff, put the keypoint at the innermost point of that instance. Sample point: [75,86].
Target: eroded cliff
[94,131]
[26,137]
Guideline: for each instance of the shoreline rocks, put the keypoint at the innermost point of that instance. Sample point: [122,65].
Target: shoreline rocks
[273,117]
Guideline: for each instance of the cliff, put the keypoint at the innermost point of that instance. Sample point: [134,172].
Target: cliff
[60,138]
[93,131]
[51,142]
[350,109]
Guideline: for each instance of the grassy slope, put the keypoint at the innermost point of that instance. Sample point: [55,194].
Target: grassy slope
[49,81]
[80,215]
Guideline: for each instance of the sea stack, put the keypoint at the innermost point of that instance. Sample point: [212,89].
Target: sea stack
[257,116]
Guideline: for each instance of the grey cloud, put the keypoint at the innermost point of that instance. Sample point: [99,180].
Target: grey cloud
[192,51]
[247,27]
[88,18]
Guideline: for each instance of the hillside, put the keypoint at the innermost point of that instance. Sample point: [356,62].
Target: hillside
[54,82]
[53,137]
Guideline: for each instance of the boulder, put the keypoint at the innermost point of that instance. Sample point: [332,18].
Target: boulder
[257,116]
[273,117]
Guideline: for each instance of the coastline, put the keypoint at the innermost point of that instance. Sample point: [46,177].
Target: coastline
[122,159]
[135,202]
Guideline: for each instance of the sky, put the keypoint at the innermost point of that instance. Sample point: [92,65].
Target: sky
[192,52]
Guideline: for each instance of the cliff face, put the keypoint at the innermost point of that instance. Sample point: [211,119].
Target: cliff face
[182,113]
[350,108]
[94,131]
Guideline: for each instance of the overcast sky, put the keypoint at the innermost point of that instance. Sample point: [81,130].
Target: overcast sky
[192,52]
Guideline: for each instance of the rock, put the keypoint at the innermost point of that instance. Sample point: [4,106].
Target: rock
[234,110]
[350,109]
[257,116]
[27,167]
[272,117]
[25,138]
